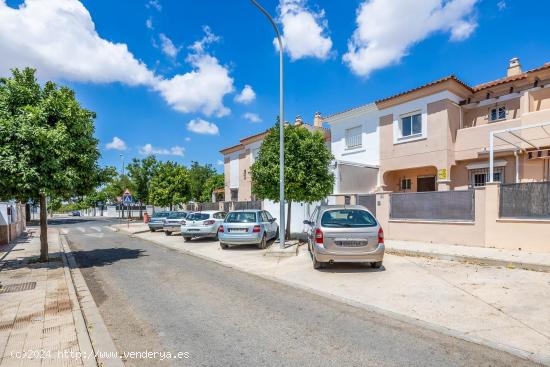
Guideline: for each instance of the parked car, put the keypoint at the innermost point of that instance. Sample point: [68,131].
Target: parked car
[75,213]
[243,227]
[349,233]
[157,220]
[173,222]
[202,224]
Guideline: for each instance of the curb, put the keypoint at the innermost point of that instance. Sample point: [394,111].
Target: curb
[471,259]
[526,355]
[99,337]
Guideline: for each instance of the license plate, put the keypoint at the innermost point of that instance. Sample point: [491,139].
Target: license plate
[238,230]
[192,230]
[351,243]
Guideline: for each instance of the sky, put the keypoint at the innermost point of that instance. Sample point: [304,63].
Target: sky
[182,79]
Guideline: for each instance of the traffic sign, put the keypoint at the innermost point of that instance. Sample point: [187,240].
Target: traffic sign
[127,199]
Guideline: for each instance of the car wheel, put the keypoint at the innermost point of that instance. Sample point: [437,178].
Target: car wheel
[187,239]
[376,265]
[152,229]
[263,243]
[168,233]
[224,246]
[316,264]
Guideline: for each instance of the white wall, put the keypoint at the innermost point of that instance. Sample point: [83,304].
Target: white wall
[369,152]
[234,170]
[4,214]
[299,212]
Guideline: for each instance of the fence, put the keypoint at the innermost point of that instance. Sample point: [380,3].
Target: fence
[525,200]
[433,205]
[208,206]
[240,205]
[368,201]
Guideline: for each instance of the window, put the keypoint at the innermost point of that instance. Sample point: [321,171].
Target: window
[264,217]
[347,200]
[411,125]
[269,216]
[234,194]
[241,217]
[479,177]
[198,216]
[497,113]
[347,218]
[219,215]
[244,174]
[353,137]
[406,184]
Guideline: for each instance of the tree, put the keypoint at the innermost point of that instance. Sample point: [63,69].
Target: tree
[211,184]
[169,185]
[198,175]
[307,174]
[47,144]
[140,172]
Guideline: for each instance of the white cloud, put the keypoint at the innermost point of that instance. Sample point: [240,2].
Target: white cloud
[201,126]
[208,38]
[304,31]
[167,46]
[219,162]
[116,144]
[155,4]
[387,29]
[148,149]
[252,117]
[246,96]
[501,5]
[149,23]
[59,39]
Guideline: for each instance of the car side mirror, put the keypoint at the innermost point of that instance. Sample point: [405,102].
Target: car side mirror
[308,222]
[272,220]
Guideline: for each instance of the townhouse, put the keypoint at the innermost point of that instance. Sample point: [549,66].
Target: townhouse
[239,158]
[436,136]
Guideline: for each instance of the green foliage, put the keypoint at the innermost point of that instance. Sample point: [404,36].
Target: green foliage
[47,142]
[212,183]
[307,159]
[198,176]
[169,185]
[140,172]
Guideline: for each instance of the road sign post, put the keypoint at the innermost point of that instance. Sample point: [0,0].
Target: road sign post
[127,200]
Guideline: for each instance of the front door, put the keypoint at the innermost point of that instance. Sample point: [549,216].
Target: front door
[425,183]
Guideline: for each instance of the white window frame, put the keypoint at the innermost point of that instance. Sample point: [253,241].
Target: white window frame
[497,108]
[405,179]
[357,141]
[412,135]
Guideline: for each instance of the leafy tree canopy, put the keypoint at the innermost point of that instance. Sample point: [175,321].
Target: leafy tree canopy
[198,175]
[169,185]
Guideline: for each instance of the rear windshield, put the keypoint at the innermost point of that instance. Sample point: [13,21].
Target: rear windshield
[198,216]
[177,215]
[241,217]
[347,218]
[161,215]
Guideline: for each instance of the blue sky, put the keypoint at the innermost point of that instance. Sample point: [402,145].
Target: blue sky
[165,76]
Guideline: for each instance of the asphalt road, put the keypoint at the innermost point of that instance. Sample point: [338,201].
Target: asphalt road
[158,299]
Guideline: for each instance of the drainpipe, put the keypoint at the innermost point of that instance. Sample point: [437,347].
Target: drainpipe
[517,165]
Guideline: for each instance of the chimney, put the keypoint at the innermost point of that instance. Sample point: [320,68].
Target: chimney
[514,68]
[317,120]
[298,121]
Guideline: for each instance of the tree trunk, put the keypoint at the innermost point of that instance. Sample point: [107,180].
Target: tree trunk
[140,210]
[170,207]
[287,229]
[43,228]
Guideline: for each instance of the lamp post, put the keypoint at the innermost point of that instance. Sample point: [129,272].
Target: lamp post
[281,129]
[122,205]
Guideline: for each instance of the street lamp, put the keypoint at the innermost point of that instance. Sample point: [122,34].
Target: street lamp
[122,157]
[281,130]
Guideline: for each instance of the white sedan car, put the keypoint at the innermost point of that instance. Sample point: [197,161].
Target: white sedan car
[202,224]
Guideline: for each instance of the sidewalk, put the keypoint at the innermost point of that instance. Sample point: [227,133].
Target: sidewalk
[40,320]
[502,307]
[538,261]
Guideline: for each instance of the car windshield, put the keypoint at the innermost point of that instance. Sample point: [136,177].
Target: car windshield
[177,215]
[347,218]
[161,215]
[198,216]
[241,217]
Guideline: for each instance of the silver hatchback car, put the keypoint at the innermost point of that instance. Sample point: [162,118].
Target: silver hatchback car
[247,227]
[344,233]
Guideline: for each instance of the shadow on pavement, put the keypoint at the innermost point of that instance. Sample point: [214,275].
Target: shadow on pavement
[350,268]
[103,257]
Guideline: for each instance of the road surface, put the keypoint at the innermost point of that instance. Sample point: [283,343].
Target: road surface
[156,299]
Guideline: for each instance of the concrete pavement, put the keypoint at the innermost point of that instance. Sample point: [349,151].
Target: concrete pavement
[496,306]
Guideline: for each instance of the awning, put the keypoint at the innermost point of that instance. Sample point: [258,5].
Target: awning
[485,164]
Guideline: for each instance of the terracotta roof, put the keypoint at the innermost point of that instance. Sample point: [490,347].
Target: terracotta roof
[435,82]
[242,140]
[508,79]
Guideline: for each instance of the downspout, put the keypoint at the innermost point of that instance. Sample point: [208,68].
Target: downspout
[517,165]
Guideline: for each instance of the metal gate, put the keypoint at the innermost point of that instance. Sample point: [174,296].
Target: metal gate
[435,205]
[368,201]
[525,200]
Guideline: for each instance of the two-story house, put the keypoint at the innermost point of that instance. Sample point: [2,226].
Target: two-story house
[436,136]
[239,158]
